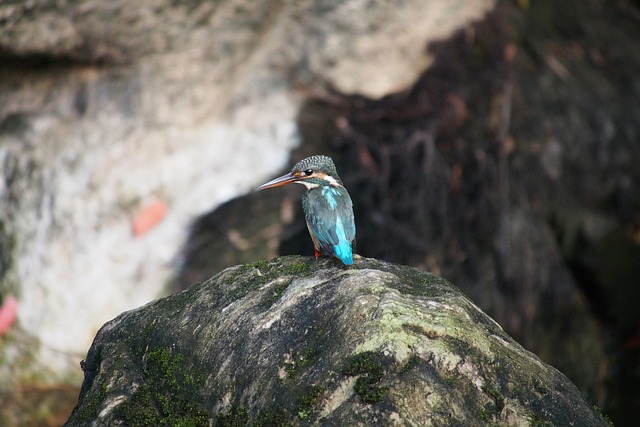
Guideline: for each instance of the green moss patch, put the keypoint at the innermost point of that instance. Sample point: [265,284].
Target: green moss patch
[166,397]
[370,367]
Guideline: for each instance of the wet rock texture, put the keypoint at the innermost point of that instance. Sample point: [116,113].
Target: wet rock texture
[298,341]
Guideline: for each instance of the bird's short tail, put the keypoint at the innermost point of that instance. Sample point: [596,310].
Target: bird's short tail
[344,253]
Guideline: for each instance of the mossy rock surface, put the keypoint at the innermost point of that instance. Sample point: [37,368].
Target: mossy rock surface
[299,341]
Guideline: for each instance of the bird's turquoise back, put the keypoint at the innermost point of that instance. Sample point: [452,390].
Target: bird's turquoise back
[328,211]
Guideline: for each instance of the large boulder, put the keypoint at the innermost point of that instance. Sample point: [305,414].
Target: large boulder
[298,341]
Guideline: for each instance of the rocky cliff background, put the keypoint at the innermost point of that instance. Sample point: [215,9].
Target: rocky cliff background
[493,143]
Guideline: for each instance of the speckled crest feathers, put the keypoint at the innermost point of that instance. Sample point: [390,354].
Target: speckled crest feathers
[318,163]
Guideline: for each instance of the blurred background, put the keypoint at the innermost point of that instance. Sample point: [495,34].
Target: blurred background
[494,143]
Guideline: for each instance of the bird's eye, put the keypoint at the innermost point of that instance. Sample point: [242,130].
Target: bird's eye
[308,172]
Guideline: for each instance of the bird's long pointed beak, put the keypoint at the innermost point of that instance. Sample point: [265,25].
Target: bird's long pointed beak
[282,180]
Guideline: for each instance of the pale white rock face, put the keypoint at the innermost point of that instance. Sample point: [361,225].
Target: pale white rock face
[385,49]
[190,106]
[80,263]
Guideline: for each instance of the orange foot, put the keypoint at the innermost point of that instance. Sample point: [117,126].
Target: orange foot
[316,252]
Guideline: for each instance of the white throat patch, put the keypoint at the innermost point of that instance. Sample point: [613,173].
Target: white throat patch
[309,185]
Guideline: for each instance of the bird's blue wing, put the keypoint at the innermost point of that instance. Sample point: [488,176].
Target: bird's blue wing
[329,215]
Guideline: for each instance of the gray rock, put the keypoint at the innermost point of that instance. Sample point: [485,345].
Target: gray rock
[298,341]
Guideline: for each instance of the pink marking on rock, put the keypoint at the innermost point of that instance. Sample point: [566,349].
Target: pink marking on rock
[8,313]
[148,218]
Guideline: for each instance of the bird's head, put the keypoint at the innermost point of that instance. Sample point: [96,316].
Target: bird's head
[312,172]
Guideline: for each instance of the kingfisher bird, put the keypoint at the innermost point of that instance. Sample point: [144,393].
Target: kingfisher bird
[327,206]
